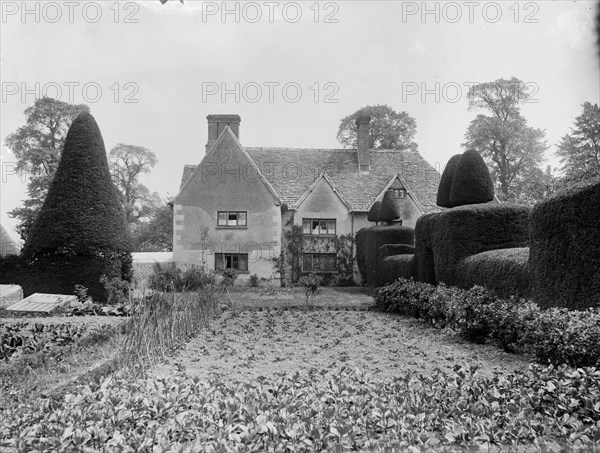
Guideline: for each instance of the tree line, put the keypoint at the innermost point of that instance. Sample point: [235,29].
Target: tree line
[512,149]
[38,146]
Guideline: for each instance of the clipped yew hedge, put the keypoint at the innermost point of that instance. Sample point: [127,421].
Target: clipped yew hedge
[80,233]
[444,239]
[367,247]
[565,248]
[504,271]
[424,260]
[396,266]
[384,273]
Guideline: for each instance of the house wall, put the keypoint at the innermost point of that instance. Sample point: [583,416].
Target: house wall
[227,186]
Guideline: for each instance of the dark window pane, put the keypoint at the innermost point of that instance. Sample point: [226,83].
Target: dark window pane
[307,262]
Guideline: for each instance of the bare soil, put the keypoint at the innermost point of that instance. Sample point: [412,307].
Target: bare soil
[252,341]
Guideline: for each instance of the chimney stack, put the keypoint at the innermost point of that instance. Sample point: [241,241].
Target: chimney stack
[362,143]
[216,125]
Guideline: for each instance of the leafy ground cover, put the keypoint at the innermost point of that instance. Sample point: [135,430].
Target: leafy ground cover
[246,344]
[335,378]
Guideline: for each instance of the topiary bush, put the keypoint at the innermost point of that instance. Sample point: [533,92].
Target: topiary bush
[396,266]
[565,248]
[472,183]
[374,212]
[389,209]
[424,242]
[504,271]
[443,194]
[448,237]
[80,232]
[368,247]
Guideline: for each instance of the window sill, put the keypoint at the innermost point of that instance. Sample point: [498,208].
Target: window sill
[220,271]
[226,227]
[318,235]
[320,272]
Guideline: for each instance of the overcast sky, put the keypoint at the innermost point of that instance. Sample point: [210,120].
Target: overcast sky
[151,73]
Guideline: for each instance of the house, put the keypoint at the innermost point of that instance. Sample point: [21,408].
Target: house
[247,208]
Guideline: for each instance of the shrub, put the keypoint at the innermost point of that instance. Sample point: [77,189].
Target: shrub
[444,239]
[374,212]
[374,237]
[312,286]
[555,336]
[443,194]
[80,232]
[361,253]
[384,273]
[396,266]
[117,290]
[389,207]
[229,277]
[253,282]
[472,183]
[169,277]
[504,271]
[565,248]
[424,259]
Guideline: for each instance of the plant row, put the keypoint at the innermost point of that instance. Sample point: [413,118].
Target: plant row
[554,335]
[549,408]
[25,338]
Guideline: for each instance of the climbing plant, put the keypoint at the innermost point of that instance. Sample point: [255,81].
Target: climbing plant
[296,244]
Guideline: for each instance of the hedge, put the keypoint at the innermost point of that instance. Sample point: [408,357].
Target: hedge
[443,194]
[554,336]
[396,266]
[80,232]
[388,250]
[361,247]
[424,261]
[472,182]
[444,239]
[565,248]
[367,248]
[504,271]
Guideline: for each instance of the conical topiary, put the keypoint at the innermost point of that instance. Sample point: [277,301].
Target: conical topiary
[373,215]
[389,207]
[472,183]
[443,195]
[80,232]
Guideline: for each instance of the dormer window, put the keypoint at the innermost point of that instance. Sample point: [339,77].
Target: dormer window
[399,193]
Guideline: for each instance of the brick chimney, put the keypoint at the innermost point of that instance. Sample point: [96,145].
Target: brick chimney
[216,125]
[362,144]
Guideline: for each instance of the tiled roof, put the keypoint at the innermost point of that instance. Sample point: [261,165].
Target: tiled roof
[291,171]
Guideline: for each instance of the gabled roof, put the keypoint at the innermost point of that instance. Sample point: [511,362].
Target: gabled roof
[325,178]
[292,171]
[190,170]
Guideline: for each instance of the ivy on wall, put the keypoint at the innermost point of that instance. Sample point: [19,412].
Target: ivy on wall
[295,244]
